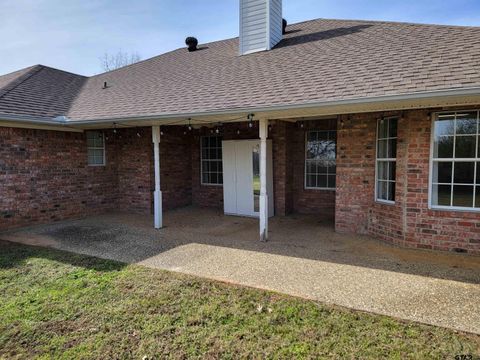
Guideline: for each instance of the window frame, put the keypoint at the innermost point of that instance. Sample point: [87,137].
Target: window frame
[389,160]
[305,187]
[103,148]
[202,183]
[453,160]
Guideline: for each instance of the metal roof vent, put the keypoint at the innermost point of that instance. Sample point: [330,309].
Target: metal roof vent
[284,26]
[191,43]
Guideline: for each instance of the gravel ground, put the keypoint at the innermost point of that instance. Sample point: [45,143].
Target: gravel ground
[304,257]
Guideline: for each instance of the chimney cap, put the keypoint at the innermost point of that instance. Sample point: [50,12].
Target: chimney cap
[192,43]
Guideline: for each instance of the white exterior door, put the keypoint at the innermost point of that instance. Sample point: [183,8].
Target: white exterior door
[241,177]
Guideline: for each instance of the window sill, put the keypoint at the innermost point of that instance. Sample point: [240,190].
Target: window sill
[96,165]
[216,185]
[385,202]
[454,209]
[320,189]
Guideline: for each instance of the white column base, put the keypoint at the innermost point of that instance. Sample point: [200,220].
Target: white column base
[263,217]
[157,209]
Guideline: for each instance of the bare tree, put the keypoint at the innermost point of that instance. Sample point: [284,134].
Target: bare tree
[110,62]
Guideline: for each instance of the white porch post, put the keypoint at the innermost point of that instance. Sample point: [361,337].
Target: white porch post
[263,129]
[157,194]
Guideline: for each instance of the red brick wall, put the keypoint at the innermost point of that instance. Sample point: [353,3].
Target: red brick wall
[309,201]
[135,168]
[175,167]
[44,177]
[408,222]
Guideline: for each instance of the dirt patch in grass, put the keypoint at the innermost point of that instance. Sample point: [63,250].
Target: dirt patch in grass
[61,305]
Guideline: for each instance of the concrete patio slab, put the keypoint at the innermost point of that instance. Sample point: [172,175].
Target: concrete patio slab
[304,257]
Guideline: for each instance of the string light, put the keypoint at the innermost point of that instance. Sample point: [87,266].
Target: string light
[138,133]
[189,124]
[250,117]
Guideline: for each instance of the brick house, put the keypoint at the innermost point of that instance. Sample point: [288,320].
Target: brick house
[373,126]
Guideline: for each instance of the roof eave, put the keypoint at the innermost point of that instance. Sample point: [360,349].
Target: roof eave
[438,98]
[442,98]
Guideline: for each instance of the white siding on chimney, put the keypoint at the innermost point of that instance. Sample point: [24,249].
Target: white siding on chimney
[275,22]
[260,25]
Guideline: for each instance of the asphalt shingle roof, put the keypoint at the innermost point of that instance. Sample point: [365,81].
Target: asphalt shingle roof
[39,91]
[318,60]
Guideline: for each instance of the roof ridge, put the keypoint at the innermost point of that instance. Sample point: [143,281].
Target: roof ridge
[20,79]
[387,22]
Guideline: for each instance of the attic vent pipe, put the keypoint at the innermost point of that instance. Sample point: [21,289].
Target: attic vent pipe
[191,43]
[284,26]
[105,85]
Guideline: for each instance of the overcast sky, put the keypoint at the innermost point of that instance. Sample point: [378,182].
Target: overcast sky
[73,34]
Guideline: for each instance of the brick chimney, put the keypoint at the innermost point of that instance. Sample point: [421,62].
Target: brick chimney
[260,25]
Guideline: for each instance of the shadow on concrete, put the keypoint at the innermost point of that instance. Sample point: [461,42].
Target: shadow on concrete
[130,238]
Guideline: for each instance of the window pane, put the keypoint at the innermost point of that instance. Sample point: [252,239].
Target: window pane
[442,172]
[311,167]
[98,153]
[91,159]
[392,128]
[477,197]
[90,142]
[332,179]
[466,123]
[98,140]
[462,195]
[463,172]
[391,191]
[383,129]
[322,167]
[392,170]
[441,195]
[392,148]
[445,125]
[382,190]
[443,147]
[332,168]
[465,146]
[213,178]
[330,150]
[322,135]
[478,173]
[382,170]
[205,166]
[205,178]
[382,149]
[322,181]
[312,136]
[311,180]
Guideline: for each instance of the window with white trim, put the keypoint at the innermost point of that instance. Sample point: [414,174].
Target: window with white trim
[211,160]
[320,159]
[455,161]
[95,148]
[386,162]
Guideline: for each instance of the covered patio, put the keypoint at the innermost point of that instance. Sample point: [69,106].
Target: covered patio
[304,257]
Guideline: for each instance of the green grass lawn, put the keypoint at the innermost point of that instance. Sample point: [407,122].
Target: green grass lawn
[60,305]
